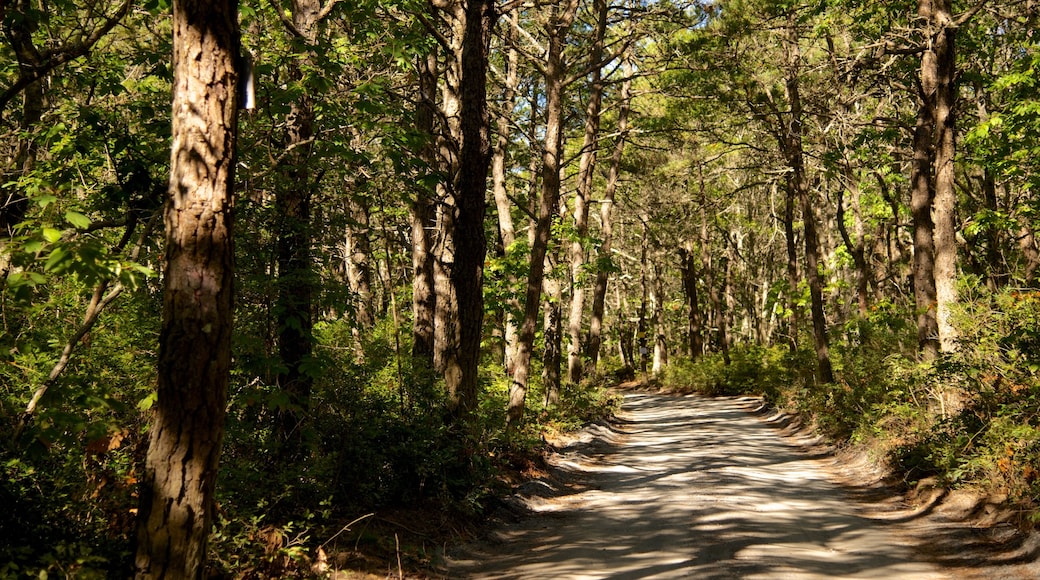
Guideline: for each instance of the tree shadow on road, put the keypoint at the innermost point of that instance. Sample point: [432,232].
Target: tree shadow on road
[687,487]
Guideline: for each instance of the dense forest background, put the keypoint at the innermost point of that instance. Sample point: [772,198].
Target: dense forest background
[456,223]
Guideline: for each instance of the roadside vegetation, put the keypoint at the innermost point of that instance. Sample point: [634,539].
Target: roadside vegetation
[968,420]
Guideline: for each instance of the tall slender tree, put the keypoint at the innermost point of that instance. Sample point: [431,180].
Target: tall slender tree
[582,195]
[557,27]
[606,213]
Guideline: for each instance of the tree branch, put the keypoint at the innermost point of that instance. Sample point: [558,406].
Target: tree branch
[54,58]
[101,298]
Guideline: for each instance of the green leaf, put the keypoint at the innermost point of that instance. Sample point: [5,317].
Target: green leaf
[58,260]
[147,402]
[44,200]
[77,219]
[51,235]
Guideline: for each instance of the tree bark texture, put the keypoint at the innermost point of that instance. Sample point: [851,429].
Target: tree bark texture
[359,261]
[471,187]
[466,157]
[423,215]
[177,492]
[922,194]
[938,72]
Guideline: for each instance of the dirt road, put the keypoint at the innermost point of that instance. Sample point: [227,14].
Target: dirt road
[692,487]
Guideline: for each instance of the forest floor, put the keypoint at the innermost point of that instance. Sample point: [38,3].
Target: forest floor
[712,488]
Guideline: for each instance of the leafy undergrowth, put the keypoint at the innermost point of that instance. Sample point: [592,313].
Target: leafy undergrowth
[399,518]
[376,483]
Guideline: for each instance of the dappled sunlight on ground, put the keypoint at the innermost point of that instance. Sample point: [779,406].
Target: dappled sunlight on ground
[696,488]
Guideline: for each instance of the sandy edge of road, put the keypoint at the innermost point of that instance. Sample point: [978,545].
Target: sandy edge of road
[966,534]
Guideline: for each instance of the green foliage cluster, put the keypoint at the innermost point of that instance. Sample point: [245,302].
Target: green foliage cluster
[376,438]
[69,483]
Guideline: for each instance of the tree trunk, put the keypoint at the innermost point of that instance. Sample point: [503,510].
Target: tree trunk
[460,301]
[644,298]
[470,241]
[177,492]
[794,319]
[586,167]
[296,278]
[557,27]
[694,324]
[857,250]
[19,32]
[359,261]
[815,280]
[606,208]
[938,75]
[1027,243]
[552,354]
[921,197]
[800,184]
[498,172]
[422,216]
[660,338]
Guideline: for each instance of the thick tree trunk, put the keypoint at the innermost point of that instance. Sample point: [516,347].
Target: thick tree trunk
[445,313]
[466,155]
[606,208]
[358,265]
[177,492]
[557,28]
[467,276]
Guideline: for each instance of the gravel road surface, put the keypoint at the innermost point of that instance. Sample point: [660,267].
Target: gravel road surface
[691,487]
